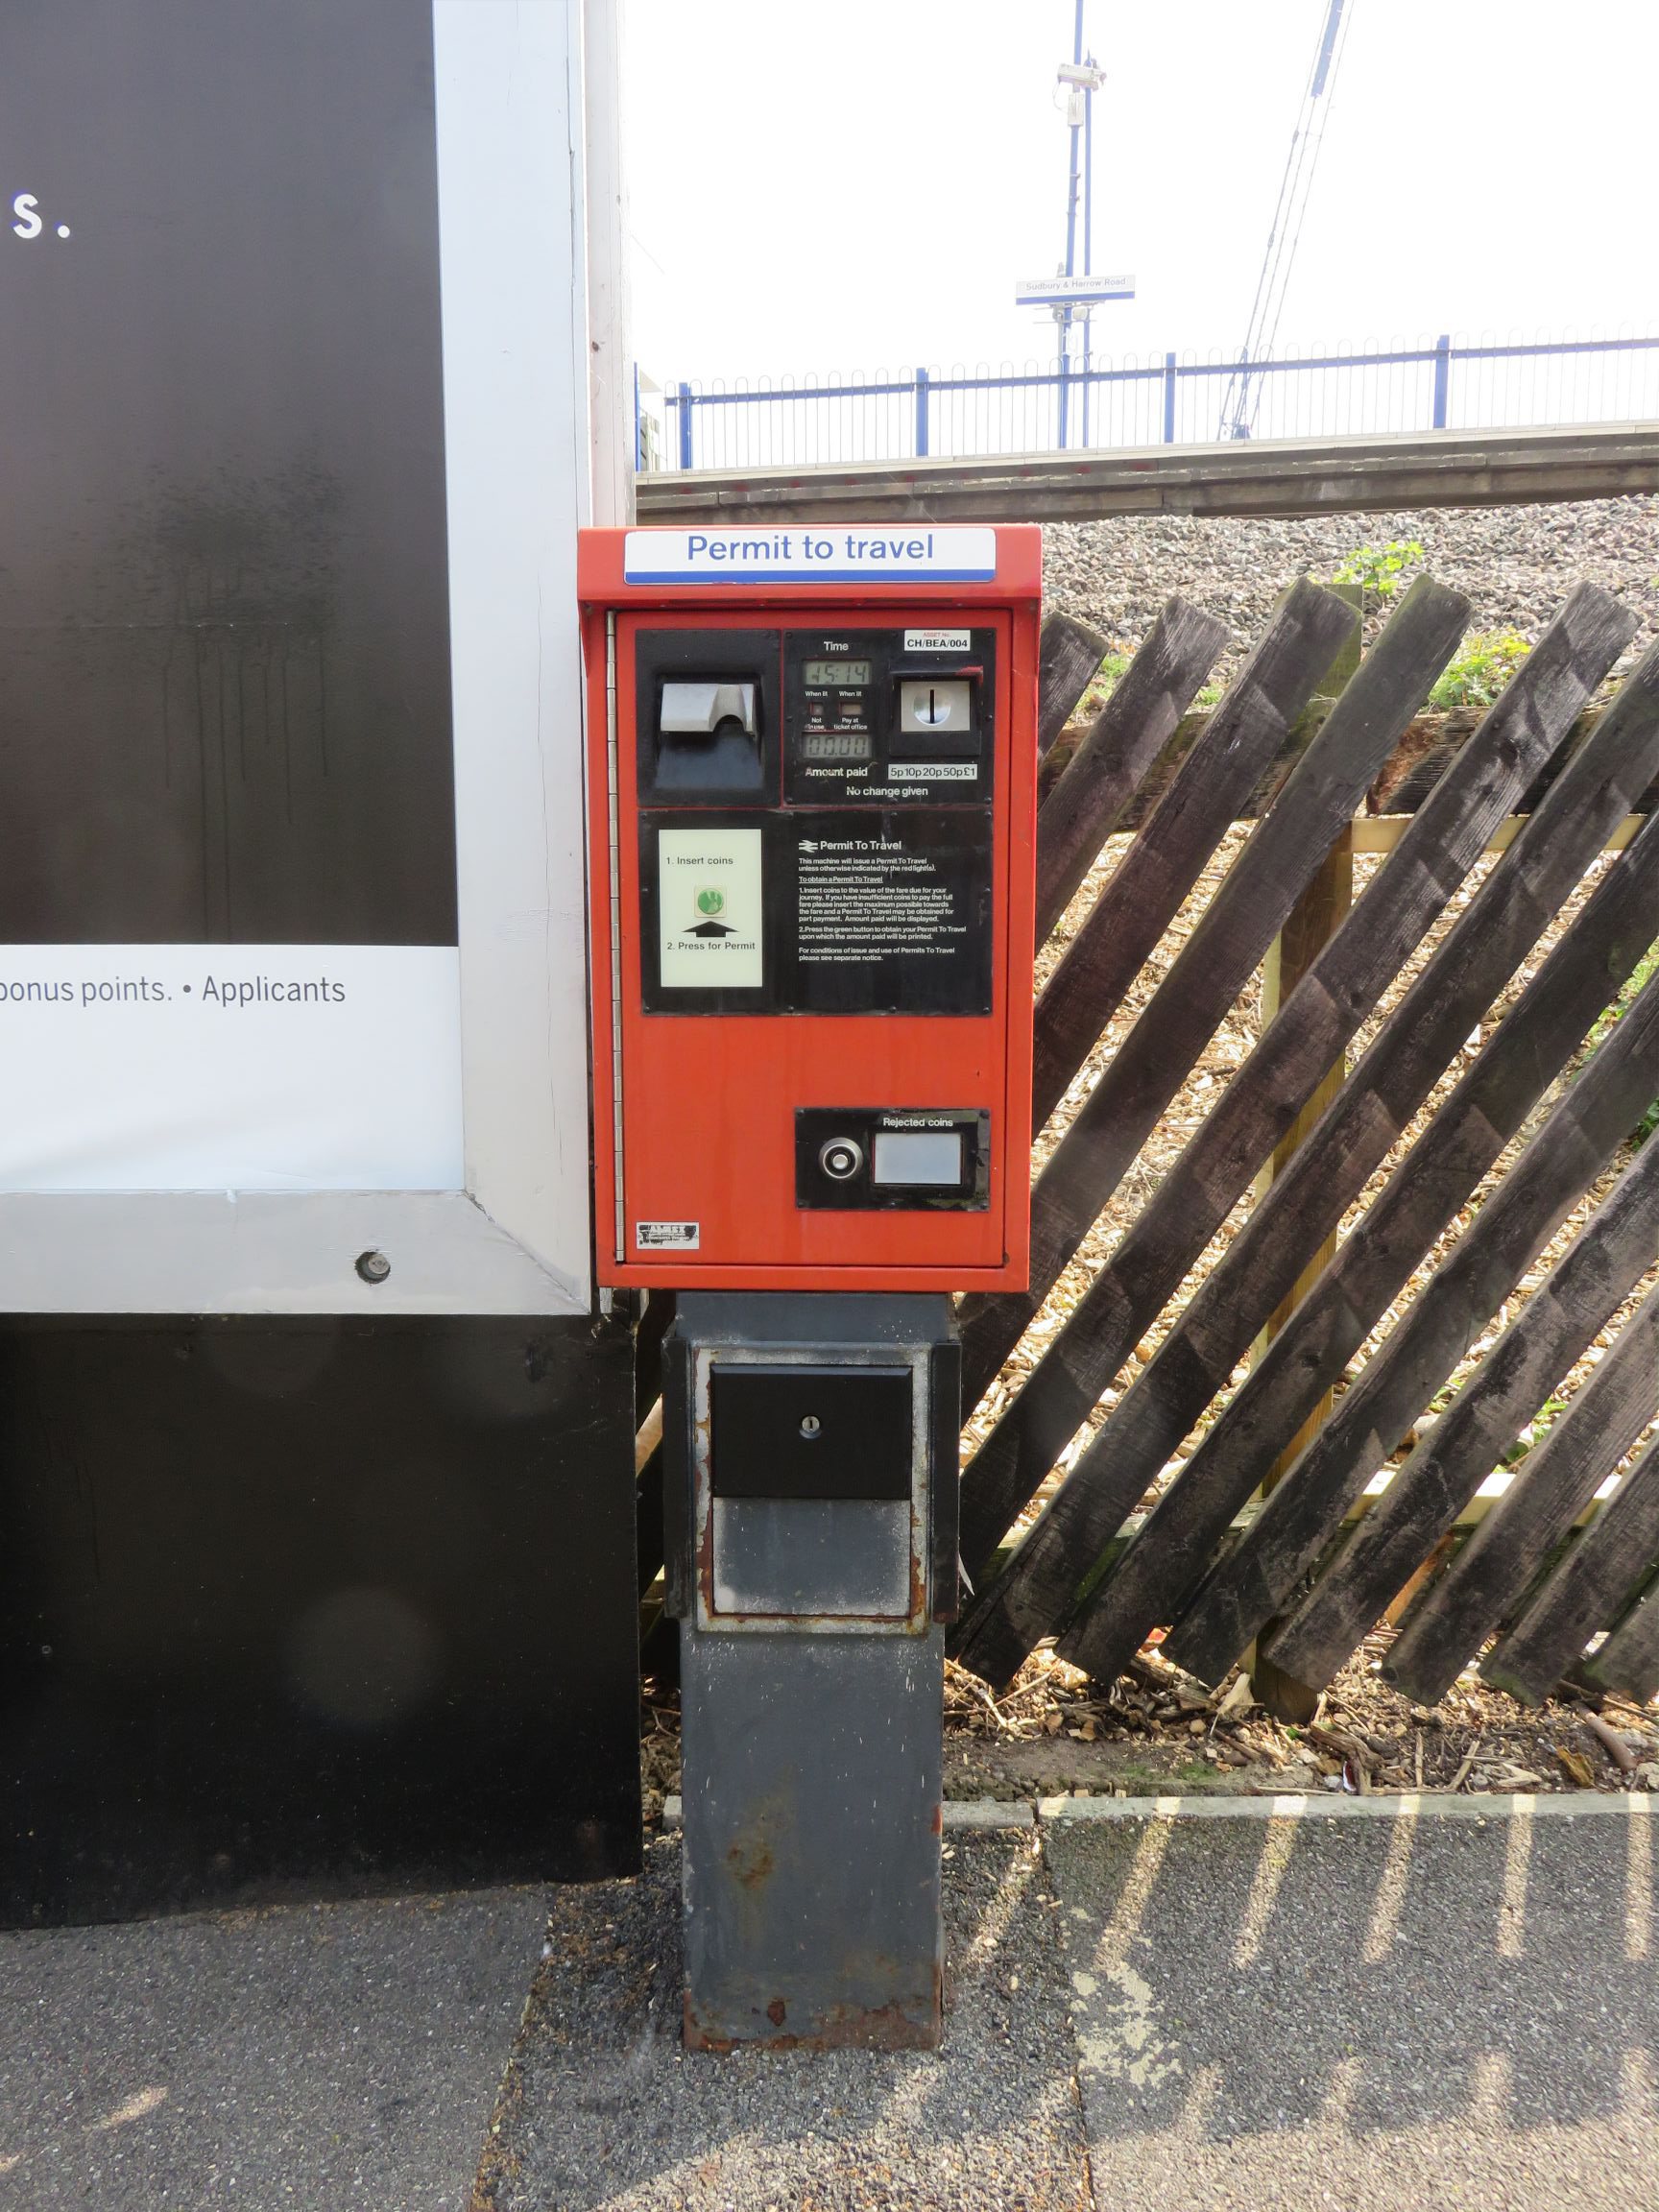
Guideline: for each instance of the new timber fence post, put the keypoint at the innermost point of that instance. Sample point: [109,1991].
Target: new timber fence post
[1310,925]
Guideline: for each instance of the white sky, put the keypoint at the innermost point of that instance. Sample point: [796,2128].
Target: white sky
[835,184]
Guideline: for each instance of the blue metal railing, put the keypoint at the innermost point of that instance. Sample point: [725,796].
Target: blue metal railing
[1166,400]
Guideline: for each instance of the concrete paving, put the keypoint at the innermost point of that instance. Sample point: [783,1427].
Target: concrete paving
[1333,2007]
[1375,2014]
[1286,2007]
[310,2057]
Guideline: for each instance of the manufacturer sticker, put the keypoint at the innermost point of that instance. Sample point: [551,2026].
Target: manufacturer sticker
[667,1235]
[938,640]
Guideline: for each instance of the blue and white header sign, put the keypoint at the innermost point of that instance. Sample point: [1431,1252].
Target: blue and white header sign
[816,553]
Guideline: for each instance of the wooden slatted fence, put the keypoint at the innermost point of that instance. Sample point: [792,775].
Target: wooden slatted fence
[1306,1570]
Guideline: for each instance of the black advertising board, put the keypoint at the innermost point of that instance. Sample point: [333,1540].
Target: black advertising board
[297,1389]
[226,799]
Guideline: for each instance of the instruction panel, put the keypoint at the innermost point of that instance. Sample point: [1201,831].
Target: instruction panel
[891,912]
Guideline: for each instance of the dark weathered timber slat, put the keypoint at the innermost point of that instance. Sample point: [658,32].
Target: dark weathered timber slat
[1122,742]
[1139,903]
[649,1330]
[652,1328]
[1605,1264]
[1297,1522]
[648,1521]
[1068,654]
[1556,1481]
[1586,1589]
[1261,888]
[1034,1594]
[1372,1267]
[1427,749]
[1217,961]
[1424,753]
[1628,1662]
[1587,968]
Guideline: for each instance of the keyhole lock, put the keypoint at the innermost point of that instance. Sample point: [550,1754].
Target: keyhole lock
[811,1426]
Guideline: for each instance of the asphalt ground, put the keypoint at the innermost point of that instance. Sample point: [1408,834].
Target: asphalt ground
[1292,2009]
[312,2056]
[601,2108]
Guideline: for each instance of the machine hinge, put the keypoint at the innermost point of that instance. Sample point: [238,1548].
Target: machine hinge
[616,842]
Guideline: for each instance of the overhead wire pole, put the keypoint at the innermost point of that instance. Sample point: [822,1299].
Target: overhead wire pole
[1068,296]
[1240,399]
[1088,212]
[1065,312]
[1082,79]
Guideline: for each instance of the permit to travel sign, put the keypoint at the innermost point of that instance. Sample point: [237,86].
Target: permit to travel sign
[822,553]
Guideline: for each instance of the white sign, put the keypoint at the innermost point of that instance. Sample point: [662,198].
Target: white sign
[823,553]
[1070,291]
[709,910]
[938,640]
[229,1068]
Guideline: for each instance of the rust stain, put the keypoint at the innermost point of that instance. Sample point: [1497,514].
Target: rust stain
[847,2027]
[751,1862]
[919,1592]
[702,1449]
[777,2012]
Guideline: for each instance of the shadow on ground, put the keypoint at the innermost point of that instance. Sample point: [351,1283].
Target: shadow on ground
[1302,2013]
[602,2108]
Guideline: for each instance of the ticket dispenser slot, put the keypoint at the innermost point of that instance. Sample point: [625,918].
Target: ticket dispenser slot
[708,736]
[707,715]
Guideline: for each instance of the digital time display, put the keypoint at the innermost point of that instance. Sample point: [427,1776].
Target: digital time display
[847,673]
[835,745]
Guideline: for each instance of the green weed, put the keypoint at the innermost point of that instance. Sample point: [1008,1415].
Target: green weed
[1476,675]
[1647,968]
[1379,569]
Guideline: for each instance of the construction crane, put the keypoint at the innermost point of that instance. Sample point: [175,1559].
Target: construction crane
[1238,402]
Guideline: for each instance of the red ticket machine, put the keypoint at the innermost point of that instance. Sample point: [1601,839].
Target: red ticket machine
[812,762]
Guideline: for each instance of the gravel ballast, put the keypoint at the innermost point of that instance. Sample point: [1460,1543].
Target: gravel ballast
[1516,563]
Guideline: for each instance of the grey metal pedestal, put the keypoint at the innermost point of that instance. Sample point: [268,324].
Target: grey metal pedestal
[811,1838]
[814,1552]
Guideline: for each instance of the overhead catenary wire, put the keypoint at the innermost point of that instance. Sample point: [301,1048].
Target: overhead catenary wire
[1243,394]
